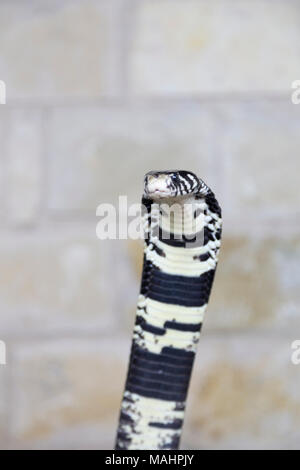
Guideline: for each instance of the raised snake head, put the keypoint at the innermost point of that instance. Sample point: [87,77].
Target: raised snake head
[172,183]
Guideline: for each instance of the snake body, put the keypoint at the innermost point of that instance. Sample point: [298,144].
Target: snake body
[180,258]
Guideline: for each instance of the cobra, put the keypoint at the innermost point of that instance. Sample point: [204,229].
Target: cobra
[180,259]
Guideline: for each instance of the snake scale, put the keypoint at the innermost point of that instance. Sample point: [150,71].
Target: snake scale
[180,258]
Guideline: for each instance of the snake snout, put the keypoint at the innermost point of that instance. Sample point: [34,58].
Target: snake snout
[158,185]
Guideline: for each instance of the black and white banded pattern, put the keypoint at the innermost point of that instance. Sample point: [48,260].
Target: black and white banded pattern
[180,259]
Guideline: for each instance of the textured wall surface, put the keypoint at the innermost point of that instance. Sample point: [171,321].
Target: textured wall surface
[98,93]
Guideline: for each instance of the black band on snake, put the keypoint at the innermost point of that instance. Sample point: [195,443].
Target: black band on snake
[182,221]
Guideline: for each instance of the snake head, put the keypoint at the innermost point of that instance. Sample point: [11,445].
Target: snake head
[171,183]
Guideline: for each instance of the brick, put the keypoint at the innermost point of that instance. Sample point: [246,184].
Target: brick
[55,50]
[50,282]
[99,153]
[127,277]
[244,295]
[76,437]
[258,148]
[212,47]
[24,166]
[66,390]
[244,394]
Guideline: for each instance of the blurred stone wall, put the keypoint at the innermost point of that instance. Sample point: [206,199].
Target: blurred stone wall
[98,93]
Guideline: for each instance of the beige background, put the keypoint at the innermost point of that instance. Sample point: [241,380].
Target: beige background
[98,93]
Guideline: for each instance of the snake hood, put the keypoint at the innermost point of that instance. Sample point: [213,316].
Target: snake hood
[173,183]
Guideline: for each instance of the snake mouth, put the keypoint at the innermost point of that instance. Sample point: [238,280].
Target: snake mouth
[159,193]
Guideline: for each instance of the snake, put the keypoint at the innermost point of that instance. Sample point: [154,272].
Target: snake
[182,224]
